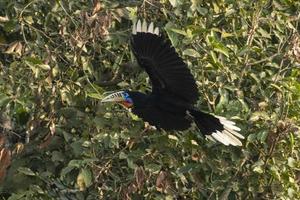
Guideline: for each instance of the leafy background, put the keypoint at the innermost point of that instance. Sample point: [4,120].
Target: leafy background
[58,141]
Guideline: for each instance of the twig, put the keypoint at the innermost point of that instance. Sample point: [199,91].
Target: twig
[117,78]
[105,167]
[226,192]
[264,60]
[73,21]
[249,43]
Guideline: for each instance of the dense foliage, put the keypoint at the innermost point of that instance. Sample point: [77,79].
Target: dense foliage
[58,58]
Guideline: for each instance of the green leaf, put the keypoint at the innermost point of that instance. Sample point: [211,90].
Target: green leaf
[44,66]
[257,167]
[76,163]
[264,33]
[11,25]
[262,136]
[179,31]
[66,170]
[191,52]
[252,137]
[219,47]
[95,95]
[259,115]
[187,168]
[202,10]
[291,162]
[152,167]
[172,36]
[17,196]
[4,99]
[243,51]
[123,155]
[86,174]
[26,171]
[174,3]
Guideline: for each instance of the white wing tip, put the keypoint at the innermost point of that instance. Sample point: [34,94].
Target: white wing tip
[142,27]
[138,26]
[156,31]
[151,28]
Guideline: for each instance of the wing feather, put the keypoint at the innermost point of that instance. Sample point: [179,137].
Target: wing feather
[166,70]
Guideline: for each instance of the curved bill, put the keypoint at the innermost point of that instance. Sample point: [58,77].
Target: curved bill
[114,97]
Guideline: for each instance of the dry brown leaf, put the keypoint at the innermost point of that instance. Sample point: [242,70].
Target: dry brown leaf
[52,128]
[2,141]
[140,177]
[15,48]
[4,19]
[295,50]
[19,48]
[11,48]
[5,160]
[161,181]
[2,174]
[19,148]
[46,141]
[297,177]
[97,7]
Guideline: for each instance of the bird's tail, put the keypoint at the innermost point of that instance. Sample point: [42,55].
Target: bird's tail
[217,128]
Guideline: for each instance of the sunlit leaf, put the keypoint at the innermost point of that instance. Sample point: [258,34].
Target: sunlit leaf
[191,52]
[26,171]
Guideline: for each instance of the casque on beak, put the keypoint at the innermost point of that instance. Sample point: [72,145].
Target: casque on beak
[121,97]
[114,97]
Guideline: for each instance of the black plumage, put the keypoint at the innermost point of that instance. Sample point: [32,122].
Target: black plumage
[167,71]
[170,105]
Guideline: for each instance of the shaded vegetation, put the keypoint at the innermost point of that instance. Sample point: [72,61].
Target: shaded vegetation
[58,142]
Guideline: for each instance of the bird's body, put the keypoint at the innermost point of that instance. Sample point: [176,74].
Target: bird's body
[161,111]
[170,105]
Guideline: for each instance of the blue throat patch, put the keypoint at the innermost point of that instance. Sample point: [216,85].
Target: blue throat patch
[127,97]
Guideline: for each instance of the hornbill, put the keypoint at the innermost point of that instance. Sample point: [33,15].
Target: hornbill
[174,91]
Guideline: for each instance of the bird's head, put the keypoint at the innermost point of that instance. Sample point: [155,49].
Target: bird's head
[121,97]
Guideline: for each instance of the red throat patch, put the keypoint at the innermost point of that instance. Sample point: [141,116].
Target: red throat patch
[126,104]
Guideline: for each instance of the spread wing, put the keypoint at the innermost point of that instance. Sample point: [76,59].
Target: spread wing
[167,71]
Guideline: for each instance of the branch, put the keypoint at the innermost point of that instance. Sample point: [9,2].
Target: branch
[117,77]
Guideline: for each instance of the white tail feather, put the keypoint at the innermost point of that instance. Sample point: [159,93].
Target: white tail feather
[235,134]
[234,140]
[232,127]
[228,136]
[219,137]
[210,138]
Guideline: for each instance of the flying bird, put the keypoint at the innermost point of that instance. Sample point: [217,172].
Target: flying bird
[170,105]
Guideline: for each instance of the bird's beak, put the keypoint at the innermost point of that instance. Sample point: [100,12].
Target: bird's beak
[114,97]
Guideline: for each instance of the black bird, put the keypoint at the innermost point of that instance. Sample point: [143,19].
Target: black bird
[174,91]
